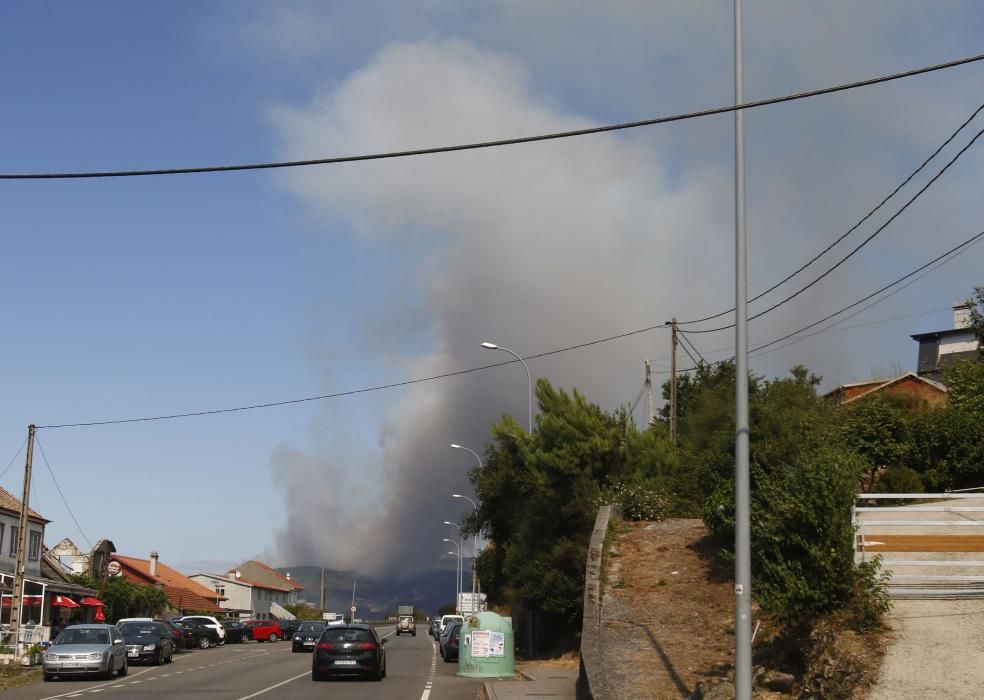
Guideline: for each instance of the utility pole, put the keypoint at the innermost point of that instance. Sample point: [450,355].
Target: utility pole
[18,592]
[352,609]
[743,547]
[650,414]
[673,383]
[322,590]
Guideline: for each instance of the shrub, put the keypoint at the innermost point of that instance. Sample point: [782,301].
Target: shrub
[899,480]
[636,502]
[870,600]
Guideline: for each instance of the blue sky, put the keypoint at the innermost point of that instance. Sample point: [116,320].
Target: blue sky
[158,295]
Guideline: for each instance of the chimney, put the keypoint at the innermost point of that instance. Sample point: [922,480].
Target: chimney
[153,563]
[288,576]
[961,314]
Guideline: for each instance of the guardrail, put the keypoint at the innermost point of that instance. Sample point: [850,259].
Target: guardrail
[871,538]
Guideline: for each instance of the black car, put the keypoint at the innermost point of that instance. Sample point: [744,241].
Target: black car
[449,642]
[288,627]
[306,636]
[349,650]
[235,631]
[182,638]
[201,636]
[147,641]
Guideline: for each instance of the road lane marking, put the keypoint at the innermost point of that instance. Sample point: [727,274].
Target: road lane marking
[430,678]
[272,687]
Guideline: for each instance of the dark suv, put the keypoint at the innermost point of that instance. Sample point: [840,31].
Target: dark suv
[349,650]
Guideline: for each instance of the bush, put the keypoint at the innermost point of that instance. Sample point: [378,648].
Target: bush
[636,502]
[870,600]
[899,480]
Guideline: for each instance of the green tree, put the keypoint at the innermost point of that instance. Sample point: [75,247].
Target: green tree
[977,317]
[124,598]
[878,429]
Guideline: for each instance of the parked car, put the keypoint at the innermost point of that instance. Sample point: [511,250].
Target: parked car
[147,641]
[307,635]
[264,630]
[235,631]
[406,625]
[349,650]
[182,638]
[288,627]
[449,642]
[201,636]
[210,622]
[81,650]
[435,628]
[447,619]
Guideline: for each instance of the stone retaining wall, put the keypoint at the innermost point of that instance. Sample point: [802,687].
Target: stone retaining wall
[592,683]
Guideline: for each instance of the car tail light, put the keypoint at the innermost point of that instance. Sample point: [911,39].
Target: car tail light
[325,646]
[365,646]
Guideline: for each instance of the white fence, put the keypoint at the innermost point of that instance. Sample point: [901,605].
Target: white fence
[949,576]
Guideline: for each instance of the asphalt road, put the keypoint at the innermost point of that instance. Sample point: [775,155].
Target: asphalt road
[264,670]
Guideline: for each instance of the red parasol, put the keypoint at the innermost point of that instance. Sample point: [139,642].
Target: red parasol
[64,602]
[100,616]
[92,602]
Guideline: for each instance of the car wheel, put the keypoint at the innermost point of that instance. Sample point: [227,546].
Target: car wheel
[125,670]
[47,677]
[272,637]
[414,634]
[378,673]
[109,668]
[315,676]
[204,643]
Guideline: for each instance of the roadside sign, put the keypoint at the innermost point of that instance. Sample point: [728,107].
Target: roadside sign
[352,608]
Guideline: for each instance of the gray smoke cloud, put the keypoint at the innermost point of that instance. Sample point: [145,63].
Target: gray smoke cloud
[532,247]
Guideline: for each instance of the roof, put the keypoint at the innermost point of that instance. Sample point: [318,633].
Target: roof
[934,335]
[246,582]
[167,577]
[289,583]
[884,384]
[9,502]
[183,599]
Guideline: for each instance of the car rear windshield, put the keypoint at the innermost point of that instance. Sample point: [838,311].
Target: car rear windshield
[340,636]
[136,629]
[83,636]
[311,627]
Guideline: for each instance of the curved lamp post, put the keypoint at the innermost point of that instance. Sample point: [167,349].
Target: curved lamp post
[492,346]
[457,573]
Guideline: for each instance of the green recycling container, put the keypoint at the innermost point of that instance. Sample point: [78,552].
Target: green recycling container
[486,647]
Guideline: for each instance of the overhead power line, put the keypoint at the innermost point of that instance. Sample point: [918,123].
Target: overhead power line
[12,459]
[851,230]
[857,248]
[491,144]
[67,507]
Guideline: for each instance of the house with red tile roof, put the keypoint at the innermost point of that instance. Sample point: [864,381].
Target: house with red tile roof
[248,599]
[253,570]
[184,594]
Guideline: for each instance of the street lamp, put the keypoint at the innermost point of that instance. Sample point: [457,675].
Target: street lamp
[468,449]
[461,546]
[474,542]
[457,574]
[492,346]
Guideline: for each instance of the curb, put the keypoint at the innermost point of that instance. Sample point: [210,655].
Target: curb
[525,675]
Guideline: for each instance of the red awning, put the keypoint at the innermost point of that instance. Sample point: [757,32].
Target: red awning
[64,602]
[29,600]
[92,602]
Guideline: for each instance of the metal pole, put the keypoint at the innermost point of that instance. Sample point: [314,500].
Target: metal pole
[18,591]
[351,613]
[743,562]
[673,384]
[529,376]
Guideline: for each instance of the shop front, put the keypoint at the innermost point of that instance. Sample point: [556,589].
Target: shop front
[47,606]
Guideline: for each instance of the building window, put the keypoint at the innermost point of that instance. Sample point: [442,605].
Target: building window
[13,540]
[2,526]
[219,589]
[35,546]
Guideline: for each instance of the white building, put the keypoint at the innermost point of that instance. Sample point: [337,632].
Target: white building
[249,600]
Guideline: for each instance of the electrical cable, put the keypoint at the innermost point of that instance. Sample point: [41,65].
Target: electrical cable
[12,460]
[919,269]
[689,354]
[857,248]
[693,347]
[496,143]
[638,398]
[419,380]
[68,507]
[851,230]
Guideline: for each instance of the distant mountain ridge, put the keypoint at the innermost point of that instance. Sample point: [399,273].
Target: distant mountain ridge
[427,589]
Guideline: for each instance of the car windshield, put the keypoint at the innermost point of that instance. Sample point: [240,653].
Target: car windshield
[230,623]
[136,630]
[348,634]
[83,636]
[311,627]
[406,617]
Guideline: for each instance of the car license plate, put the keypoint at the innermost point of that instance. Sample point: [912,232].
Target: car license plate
[134,654]
[309,644]
[346,662]
[71,665]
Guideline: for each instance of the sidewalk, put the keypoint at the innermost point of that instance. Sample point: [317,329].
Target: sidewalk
[553,683]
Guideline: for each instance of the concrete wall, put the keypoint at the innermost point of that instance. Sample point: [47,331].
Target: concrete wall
[591,682]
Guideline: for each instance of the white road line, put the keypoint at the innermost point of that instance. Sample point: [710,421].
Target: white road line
[267,690]
[109,684]
[430,679]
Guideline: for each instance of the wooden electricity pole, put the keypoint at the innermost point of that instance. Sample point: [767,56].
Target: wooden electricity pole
[673,384]
[18,592]
[322,590]
[650,413]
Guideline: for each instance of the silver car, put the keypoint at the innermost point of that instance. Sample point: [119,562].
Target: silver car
[82,650]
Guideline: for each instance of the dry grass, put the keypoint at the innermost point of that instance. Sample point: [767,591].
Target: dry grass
[568,660]
[16,676]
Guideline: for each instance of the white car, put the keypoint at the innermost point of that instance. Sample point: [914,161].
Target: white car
[448,619]
[208,621]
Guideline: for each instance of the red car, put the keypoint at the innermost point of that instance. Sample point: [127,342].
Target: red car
[264,630]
